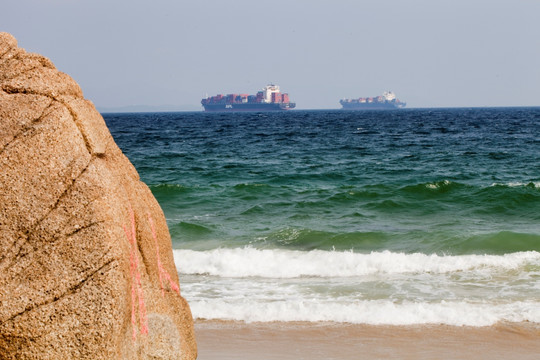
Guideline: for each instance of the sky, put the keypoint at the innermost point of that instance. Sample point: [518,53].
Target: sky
[169,54]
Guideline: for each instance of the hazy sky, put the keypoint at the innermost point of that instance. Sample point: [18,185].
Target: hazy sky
[431,53]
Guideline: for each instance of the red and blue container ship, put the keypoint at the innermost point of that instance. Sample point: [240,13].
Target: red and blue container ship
[387,101]
[269,98]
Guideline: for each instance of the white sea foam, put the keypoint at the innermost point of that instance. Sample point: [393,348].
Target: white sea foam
[438,185]
[535,184]
[385,288]
[373,312]
[251,262]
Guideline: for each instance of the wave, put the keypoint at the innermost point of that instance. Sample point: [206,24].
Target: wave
[372,312]
[379,288]
[437,195]
[518,184]
[425,241]
[406,195]
[278,263]
[168,190]
[191,228]
[501,242]
[309,239]
[441,187]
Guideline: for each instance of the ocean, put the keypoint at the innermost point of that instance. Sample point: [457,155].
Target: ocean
[416,216]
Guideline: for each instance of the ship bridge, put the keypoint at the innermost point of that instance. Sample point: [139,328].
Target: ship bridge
[268,90]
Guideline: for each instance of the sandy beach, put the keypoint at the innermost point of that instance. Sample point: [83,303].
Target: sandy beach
[234,340]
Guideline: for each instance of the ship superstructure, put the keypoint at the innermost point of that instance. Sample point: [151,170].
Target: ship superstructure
[385,101]
[269,98]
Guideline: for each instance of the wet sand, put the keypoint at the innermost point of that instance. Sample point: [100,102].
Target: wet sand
[263,341]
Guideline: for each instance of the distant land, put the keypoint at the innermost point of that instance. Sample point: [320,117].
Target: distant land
[149,108]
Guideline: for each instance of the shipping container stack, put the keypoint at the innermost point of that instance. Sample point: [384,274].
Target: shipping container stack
[276,97]
[244,98]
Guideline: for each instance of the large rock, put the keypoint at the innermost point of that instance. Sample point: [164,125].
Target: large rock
[86,265]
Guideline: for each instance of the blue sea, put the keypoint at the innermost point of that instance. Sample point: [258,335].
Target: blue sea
[417,216]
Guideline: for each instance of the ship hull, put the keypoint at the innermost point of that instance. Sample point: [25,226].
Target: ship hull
[249,107]
[372,106]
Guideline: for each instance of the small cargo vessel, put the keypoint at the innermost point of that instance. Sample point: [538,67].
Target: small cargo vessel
[386,101]
[269,98]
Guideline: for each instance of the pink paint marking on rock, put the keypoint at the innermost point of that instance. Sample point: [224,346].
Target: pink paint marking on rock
[140,293]
[133,290]
[137,292]
[173,286]
[157,253]
[162,272]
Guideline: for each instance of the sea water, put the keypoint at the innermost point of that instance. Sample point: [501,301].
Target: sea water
[419,216]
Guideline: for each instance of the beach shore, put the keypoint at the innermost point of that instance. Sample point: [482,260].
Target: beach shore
[264,341]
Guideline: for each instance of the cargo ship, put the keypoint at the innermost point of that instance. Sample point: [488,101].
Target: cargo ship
[269,98]
[386,101]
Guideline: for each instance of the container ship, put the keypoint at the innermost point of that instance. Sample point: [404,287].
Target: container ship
[386,101]
[269,98]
